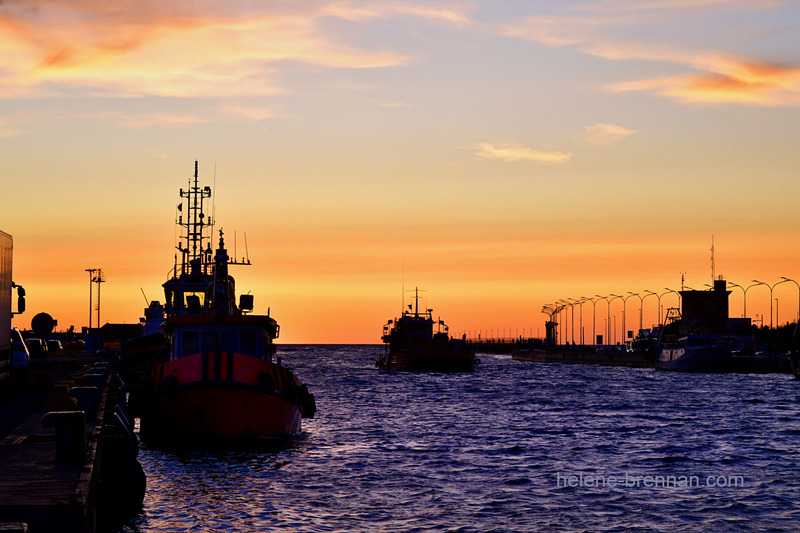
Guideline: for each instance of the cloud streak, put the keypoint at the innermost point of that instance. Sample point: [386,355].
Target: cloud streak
[513,153]
[607,134]
[182,49]
[711,77]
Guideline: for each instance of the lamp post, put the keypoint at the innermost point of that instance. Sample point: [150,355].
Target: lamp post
[658,305]
[594,317]
[572,303]
[91,272]
[798,294]
[608,311]
[641,306]
[614,297]
[744,295]
[770,295]
[624,326]
[564,303]
[676,292]
[580,328]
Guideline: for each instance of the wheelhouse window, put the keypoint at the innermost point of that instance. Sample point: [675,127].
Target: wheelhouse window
[209,341]
[248,343]
[190,342]
[230,342]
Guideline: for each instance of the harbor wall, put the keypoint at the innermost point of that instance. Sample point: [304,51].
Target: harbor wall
[585,357]
[68,461]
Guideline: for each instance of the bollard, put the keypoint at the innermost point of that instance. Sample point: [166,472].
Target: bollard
[87,398]
[97,380]
[70,435]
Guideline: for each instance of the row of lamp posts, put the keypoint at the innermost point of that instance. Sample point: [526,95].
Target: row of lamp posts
[556,308]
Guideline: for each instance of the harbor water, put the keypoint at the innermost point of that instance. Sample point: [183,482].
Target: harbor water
[514,446]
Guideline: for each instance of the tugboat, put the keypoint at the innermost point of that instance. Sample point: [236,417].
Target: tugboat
[690,351]
[219,379]
[411,345]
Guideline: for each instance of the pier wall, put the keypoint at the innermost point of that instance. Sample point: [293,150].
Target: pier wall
[69,465]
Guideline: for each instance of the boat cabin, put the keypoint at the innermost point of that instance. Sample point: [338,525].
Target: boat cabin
[247,335]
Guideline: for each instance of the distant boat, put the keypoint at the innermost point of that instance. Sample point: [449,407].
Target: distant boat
[219,379]
[695,353]
[412,345]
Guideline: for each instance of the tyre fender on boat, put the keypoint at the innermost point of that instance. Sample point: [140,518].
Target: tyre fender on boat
[266,382]
[307,402]
[168,385]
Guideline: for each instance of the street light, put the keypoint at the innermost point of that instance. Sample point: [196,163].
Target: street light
[594,317]
[770,295]
[680,298]
[744,295]
[641,309]
[563,303]
[614,297]
[580,328]
[624,327]
[798,295]
[572,301]
[608,311]
[91,272]
[658,298]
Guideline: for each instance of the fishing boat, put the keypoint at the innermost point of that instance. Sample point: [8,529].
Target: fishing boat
[412,345]
[219,378]
[695,353]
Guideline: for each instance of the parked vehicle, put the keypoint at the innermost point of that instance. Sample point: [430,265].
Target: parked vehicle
[7,289]
[20,356]
[54,346]
[36,347]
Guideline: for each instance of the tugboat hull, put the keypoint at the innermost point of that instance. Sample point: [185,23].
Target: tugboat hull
[224,395]
[701,353]
[409,361]
[220,410]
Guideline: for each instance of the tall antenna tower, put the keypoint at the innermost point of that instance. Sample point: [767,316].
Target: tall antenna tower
[195,227]
[713,273]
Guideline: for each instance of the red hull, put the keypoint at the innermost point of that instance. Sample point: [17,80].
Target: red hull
[222,395]
[221,411]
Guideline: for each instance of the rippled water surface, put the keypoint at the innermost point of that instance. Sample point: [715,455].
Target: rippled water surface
[516,446]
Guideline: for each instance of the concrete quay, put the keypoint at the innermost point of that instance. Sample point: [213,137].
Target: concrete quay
[67,449]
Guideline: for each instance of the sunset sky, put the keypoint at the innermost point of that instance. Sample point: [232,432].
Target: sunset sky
[500,155]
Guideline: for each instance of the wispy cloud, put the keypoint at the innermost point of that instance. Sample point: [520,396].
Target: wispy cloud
[727,81]
[193,49]
[514,152]
[457,13]
[607,134]
[661,5]
[398,104]
[711,76]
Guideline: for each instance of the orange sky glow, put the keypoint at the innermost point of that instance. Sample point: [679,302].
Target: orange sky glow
[500,156]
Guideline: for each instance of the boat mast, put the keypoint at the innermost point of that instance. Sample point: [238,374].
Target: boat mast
[194,228]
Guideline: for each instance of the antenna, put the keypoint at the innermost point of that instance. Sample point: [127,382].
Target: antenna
[403,289]
[246,250]
[146,301]
[713,274]
[214,200]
